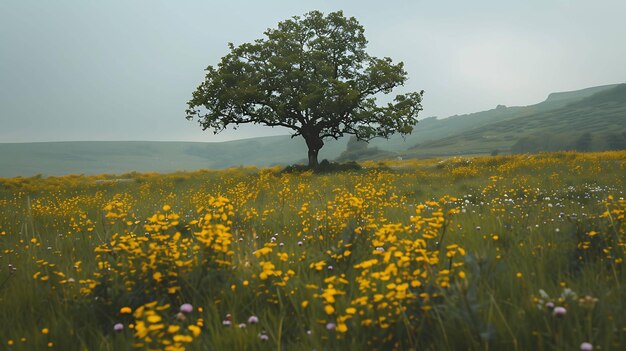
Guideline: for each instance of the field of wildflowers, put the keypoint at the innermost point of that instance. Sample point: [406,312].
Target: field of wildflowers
[507,252]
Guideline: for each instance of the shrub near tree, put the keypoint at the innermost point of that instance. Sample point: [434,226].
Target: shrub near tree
[311,75]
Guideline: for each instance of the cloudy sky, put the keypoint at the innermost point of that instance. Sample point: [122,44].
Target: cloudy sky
[124,70]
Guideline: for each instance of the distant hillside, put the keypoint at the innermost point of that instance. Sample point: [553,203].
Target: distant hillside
[590,119]
[431,129]
[588,123]
[94,157]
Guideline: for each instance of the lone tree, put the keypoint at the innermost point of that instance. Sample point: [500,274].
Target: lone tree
[311,75]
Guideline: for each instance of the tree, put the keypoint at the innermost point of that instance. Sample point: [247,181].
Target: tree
[311,75]
[583,143]
[356,145]
[355,149]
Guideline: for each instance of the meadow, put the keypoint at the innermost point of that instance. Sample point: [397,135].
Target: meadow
[518,252]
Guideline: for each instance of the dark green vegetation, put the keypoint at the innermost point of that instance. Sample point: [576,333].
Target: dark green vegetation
[311,75]
[573,120]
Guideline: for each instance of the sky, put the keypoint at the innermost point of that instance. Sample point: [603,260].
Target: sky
[124,70]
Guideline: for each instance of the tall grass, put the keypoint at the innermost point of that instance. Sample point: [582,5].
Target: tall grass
[520,252]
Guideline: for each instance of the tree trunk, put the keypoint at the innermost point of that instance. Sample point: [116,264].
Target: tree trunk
[313,158]
[314,143]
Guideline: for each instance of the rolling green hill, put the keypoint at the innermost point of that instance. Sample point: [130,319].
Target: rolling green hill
[431,129]
[590,119]
[586,123]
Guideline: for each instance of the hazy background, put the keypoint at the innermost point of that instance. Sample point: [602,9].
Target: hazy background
[124,70]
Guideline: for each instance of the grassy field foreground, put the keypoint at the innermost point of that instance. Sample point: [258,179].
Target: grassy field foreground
[507,252]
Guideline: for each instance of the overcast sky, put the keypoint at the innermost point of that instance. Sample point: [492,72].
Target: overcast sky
[124,70]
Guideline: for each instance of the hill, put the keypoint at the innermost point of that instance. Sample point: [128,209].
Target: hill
[431,129]
[590,119]
[565,121]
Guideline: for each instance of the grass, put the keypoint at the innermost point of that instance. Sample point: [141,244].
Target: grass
[458,254]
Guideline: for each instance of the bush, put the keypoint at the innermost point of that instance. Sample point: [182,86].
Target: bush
[324,167]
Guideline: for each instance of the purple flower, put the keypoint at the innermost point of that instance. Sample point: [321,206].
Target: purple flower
[186,308]
[550,305]
[226,323]
[559,311]
[118,327]
[253,320]
[586,346]
[263,337]
[331,326]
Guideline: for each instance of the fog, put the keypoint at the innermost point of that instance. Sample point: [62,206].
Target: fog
[124,70]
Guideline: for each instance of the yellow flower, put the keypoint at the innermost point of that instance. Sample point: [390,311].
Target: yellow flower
[154,318]
[262,251]
[182,338]
[157,276]
[195,330]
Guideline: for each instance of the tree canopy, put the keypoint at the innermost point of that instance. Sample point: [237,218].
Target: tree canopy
[312,75]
